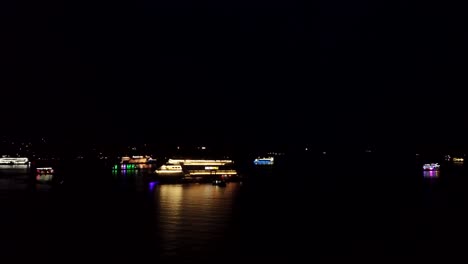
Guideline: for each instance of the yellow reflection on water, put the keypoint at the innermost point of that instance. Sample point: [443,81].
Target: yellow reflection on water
[188,211]
[170,197]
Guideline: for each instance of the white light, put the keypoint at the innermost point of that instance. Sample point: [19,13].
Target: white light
[13,160]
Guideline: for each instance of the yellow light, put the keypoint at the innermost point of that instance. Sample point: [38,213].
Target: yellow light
[198,162]
[218,172]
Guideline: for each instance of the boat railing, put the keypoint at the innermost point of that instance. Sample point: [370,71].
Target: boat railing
[213,172]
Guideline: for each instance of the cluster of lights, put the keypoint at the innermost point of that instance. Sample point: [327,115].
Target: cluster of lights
[125,167]
[169,169]
[264,161]
[136,159]
[5,160]
[277,153]
[45,170]
[431,166]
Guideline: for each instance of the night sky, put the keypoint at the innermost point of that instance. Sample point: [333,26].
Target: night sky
[231,71]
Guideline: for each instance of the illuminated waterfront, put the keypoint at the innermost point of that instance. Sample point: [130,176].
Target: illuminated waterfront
[344,213]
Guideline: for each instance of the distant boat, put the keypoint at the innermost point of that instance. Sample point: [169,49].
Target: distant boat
[44,170]
[431,166]
[220,183]
[137,160]
[264,161]
[13,161]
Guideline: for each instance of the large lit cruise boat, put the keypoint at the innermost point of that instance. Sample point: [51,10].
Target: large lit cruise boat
[13,161]
[197,168]
[205,167]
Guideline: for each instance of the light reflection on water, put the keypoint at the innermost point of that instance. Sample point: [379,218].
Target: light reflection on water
[43,182]
[44,177]
[14,183]
[19,178]
[14,169]
[431,174]
[132,179]
[14,177]
[193,220]
[192,216]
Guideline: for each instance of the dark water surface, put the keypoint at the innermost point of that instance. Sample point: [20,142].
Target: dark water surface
[328,213]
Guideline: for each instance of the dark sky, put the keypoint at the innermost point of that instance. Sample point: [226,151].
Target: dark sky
[233,70]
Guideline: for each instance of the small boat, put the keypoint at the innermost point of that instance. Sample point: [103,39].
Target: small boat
[219,183]
[431,166]
[45,170]
[264,161]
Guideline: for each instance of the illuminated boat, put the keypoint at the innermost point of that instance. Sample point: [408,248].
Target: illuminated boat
[46,175]
[458,159]
[44,170]
[431,166]
[13,161]
[170,170]
[137,160]
[206,167]
[220,183]
[264,161]
[197,168]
